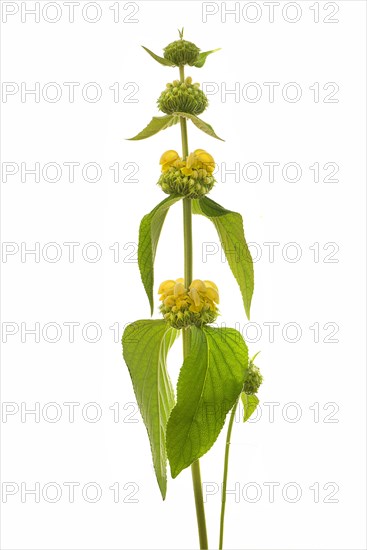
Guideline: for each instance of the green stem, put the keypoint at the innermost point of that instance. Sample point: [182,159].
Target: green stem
[225,473]
[188,257]
[199,503]
[187,220]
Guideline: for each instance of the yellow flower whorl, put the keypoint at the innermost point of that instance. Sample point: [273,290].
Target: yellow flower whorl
[195,306]
[191,178]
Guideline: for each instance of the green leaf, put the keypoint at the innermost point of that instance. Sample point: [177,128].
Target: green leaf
[210,381]
[145,347]
[203,126]
[157,124]
[254,357]
[250,402]
[160,60]
[202,57]
[229,226]
[149,232]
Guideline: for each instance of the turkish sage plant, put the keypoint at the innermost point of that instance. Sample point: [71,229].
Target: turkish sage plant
[216,372]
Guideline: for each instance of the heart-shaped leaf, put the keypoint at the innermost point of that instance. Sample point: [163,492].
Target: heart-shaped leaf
[145,347]
[229,226]
[149,232]
[157,124]
[160,60]
[210,381]
[203,126]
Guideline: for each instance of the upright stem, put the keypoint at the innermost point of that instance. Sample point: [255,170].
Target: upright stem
[225,473]
[187,226]
[199,503]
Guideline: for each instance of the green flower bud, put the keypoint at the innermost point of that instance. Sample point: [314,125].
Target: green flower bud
[181,52]
[183,97]
[193,187]
[253,380]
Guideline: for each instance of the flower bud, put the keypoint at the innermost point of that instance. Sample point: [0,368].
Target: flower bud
[181,52]
[253,380]
[183,97]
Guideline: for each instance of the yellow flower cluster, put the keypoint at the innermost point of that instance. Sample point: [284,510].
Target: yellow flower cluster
[191,178]
[198,164]
[195,306]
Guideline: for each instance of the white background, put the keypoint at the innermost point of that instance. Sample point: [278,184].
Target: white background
[325,445]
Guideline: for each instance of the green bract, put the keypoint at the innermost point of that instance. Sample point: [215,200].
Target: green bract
[174,182]
[216,372]
[183,317]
